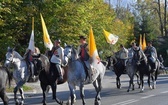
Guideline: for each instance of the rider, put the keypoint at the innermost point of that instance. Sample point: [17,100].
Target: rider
[123,55]
[84,56]
[132,49]
[151,54]
[29,58]
[57,57]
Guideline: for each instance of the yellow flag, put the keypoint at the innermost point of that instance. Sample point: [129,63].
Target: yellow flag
[92,49]
[31,41]
[140,40]
[110,38]
[46,37]
[144,43]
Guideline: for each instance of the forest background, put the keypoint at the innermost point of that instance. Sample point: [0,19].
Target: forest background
[67,19]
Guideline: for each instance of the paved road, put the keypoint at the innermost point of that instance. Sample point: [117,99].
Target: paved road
[110,94]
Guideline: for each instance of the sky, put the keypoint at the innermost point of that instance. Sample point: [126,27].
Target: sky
[123,2]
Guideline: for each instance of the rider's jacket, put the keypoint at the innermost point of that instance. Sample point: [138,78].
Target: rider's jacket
[123,53]
[58,55]
[83,52]
[151,53]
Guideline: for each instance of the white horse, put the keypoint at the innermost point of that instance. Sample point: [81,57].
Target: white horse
[20,74]
[77,75]
[132,70]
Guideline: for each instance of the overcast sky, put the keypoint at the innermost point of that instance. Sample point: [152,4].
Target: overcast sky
[123,2]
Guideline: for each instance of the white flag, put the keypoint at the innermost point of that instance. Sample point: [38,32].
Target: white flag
[46,37]
[111,38]
[31,41]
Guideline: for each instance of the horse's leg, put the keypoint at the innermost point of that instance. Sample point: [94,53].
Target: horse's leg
[138,80]
[98,86]
[132,81]
[142,82]
[149,77]
[118,82]
[72,93]
[18,86]
[82,95]
[129,84]
[44,89]
[22,95]
[4,97]
[54,87]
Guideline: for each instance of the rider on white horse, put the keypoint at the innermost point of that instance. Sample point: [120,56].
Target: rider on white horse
[84,56]
[57,57]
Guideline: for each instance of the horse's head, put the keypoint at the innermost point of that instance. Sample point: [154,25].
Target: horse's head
[69,54]
[139,56]
[9,57]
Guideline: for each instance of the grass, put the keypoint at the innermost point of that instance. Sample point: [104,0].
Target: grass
[25,88]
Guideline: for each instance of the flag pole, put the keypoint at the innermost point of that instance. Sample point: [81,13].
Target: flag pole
[32,23]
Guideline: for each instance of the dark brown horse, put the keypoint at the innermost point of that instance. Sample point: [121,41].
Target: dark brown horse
[49,77]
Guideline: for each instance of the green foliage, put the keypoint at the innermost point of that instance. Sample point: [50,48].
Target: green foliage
[65,19]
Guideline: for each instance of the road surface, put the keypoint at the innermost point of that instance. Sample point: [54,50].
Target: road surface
[110,94]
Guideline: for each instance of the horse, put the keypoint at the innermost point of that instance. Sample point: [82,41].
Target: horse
[144,68]
[131,70]
[77,75]
[117,66]
[49,77]
[5,76]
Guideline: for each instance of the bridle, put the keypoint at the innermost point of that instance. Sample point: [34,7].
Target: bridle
[10,60]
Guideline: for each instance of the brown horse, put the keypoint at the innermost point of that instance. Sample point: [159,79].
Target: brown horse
[49,77]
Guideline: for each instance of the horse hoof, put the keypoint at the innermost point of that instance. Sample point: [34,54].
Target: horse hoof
[141,91]
[44,102]
[127,90]
[150,87]
[61,102]
[154,87]
[97,102]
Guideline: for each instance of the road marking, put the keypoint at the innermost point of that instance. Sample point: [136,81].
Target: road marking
[126,102]
[165,92]
[147,96]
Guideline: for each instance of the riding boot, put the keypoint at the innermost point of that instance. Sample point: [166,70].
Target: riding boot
[59,72]
[154,66]
[88,67]
[32,69]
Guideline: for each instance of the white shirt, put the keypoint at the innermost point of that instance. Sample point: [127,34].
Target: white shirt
[58,56]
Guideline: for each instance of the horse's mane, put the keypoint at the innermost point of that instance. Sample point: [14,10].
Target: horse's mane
[143,54]
[17,55]
[74,51]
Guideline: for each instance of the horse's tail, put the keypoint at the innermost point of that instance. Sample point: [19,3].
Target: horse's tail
[10,75]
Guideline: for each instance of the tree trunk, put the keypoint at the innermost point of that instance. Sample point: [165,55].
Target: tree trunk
[165,18]
[160,18]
